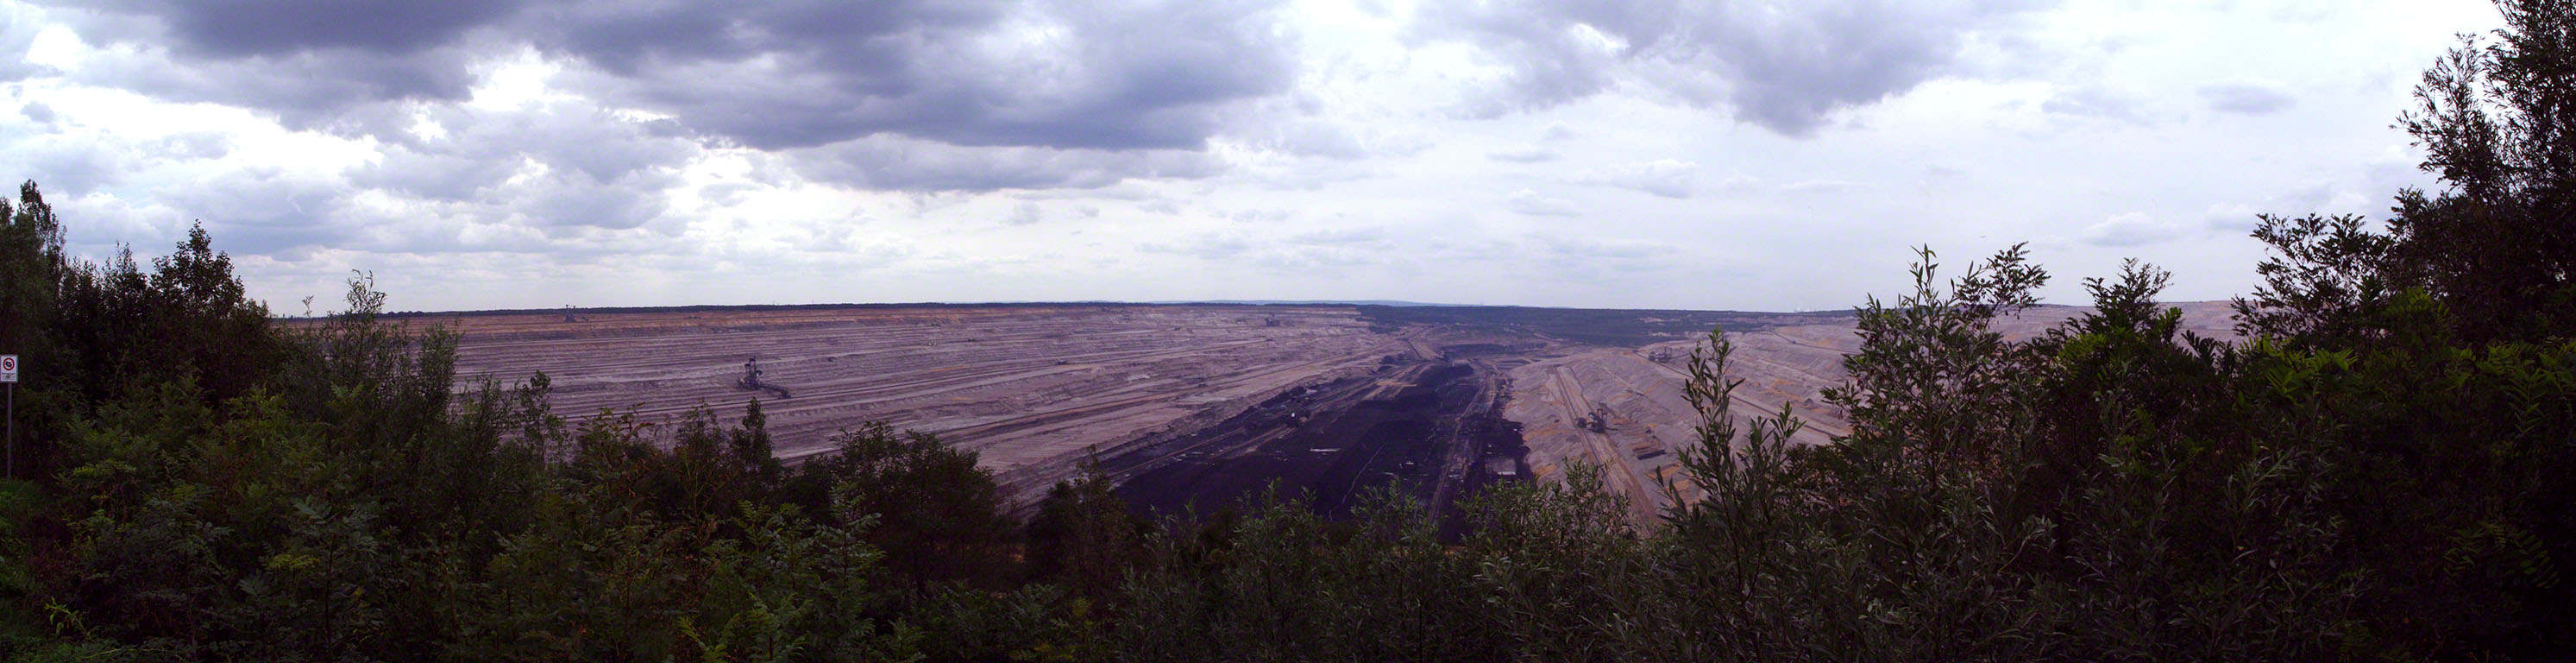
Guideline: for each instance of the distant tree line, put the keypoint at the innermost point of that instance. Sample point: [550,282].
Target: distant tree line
[2381,470]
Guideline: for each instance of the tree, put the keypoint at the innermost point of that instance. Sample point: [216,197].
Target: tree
[1083,535]
[2497,244]
[938,516]
[31,264]
[750,444]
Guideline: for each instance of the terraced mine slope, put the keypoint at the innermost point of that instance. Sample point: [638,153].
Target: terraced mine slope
[1199,405]
[1032,388]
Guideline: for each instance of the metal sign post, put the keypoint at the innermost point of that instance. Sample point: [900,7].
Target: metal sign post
[9,382]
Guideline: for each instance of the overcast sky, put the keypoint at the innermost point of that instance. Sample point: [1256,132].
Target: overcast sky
[1741,155]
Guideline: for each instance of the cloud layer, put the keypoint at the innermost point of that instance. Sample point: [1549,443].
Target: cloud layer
[1784,66]
[539,152]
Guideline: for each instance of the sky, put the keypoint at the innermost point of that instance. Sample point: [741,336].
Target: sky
[1759,155]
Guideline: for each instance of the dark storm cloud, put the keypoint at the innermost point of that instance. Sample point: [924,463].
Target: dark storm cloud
[763,75]
[311,62]
[243,28]
[307,89]
[637,38]
[1074,76]
[1785,66]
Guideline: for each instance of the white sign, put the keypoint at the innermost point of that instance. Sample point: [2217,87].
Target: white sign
[8,368]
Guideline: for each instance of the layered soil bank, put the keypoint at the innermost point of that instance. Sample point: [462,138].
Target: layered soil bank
[1192,407]
[1031,388]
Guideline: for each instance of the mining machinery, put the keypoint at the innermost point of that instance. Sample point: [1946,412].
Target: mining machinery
[751,379]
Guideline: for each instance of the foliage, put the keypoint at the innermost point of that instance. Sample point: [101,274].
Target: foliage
[1082,535]
[938,516]
[242,489]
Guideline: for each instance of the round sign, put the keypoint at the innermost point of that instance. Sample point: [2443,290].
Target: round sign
[8,364]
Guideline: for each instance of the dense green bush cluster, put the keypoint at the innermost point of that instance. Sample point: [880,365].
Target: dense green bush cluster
[2381,469]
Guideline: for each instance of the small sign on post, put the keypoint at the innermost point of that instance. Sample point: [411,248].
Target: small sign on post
[9,435]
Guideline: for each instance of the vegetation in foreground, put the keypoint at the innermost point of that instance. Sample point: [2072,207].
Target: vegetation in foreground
[2382,471]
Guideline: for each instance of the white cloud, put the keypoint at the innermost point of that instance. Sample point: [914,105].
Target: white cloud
[1669,178]
[2132,229]
[1531,203]
[2246,98]
[1262,150]
[1529,154]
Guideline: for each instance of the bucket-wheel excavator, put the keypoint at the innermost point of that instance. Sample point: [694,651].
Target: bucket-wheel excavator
[751,379]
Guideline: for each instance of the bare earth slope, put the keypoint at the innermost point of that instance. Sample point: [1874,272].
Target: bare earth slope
[1197,405]
[1032,388]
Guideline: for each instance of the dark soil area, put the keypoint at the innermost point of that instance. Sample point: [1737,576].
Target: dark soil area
[1330,446]
[1493,443]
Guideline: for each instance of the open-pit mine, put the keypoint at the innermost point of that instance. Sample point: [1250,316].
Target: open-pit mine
[1194,406]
